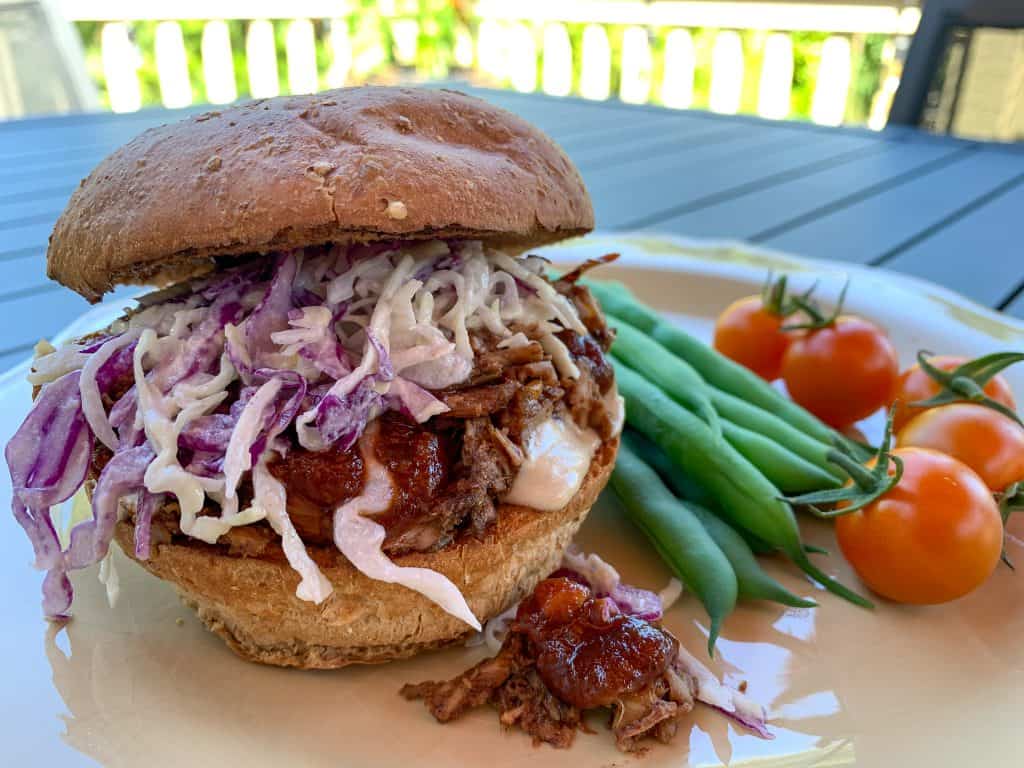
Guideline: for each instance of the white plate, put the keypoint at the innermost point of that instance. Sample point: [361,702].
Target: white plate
[144,684]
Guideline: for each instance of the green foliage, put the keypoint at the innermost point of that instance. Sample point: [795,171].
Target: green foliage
[236,33]
[435,49]
[90,32]
[373,55]
[806,58]
[867,76]
[703,41]
[753,56]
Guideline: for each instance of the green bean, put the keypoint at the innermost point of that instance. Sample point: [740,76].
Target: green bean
[718,371]
[784,469]
[686,488]
[747,499]
[789,470]
[754,583]
[676,378]
[678,536]
[755,419]
[674,375]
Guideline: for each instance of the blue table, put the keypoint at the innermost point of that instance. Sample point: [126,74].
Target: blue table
[940,208]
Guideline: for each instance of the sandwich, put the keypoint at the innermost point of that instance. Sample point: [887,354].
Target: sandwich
[357,417]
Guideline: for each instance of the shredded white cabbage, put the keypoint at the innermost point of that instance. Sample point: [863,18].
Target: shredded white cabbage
[50,363]
[163,420]
[601,575]
[109,578]
[269,495]
[671,593]
[312,325]
[203,385]
[560,356]
[92,401]
[517,339]
[238,458]
[361,539]
[493,635]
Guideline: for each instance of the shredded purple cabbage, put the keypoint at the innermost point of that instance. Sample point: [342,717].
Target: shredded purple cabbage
[271,314]
[122,475]
[208,346]
[758,726]
[341,420]
[146,504]
[641,603]
[48,458]
[630,600]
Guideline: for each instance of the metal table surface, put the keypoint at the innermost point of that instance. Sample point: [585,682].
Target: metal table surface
[939,208]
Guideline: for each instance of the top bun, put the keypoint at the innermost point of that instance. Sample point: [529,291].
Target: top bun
[350,165]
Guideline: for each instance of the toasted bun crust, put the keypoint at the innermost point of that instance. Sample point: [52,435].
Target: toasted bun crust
[251,602]
[351,165]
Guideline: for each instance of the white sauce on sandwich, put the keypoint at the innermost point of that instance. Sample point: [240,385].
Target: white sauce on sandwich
[557,457]
[615,407]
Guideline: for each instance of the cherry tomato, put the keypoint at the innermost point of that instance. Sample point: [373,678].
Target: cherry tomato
[748,333]
[842,372]
[933,538]
[915,385]
[985,440]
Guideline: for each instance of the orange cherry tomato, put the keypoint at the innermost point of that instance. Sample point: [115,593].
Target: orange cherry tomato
[748,333]
[985,440]
[915,385]
[842,372]
[933,538]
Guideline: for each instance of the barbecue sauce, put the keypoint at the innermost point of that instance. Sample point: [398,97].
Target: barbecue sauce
[318,482]
[588,653]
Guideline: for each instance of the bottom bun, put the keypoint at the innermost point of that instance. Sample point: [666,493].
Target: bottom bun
[251,602]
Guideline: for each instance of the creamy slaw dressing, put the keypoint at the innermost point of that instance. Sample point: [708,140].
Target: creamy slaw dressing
[556,459]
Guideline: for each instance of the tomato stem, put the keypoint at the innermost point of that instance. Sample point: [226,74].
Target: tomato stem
[818,319]
[966,383]
[866,486]
[1011,500]
[776,300]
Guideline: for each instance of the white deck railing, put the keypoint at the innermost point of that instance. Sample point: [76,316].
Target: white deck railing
[510,38]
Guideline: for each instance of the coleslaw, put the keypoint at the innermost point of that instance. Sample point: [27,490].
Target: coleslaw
[206,383]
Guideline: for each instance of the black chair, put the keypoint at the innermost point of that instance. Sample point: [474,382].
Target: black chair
[959,47]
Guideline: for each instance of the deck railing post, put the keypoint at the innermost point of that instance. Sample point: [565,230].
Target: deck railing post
[120,67]
[261,59]
[218,64]
[300,46]
[776,84]
[679,65]
[833,82]
[635,67]
[490,49]
[341,53]
[172,65]
[522,57]
[726,73]
[556,77]
[405,33]
[595,63]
